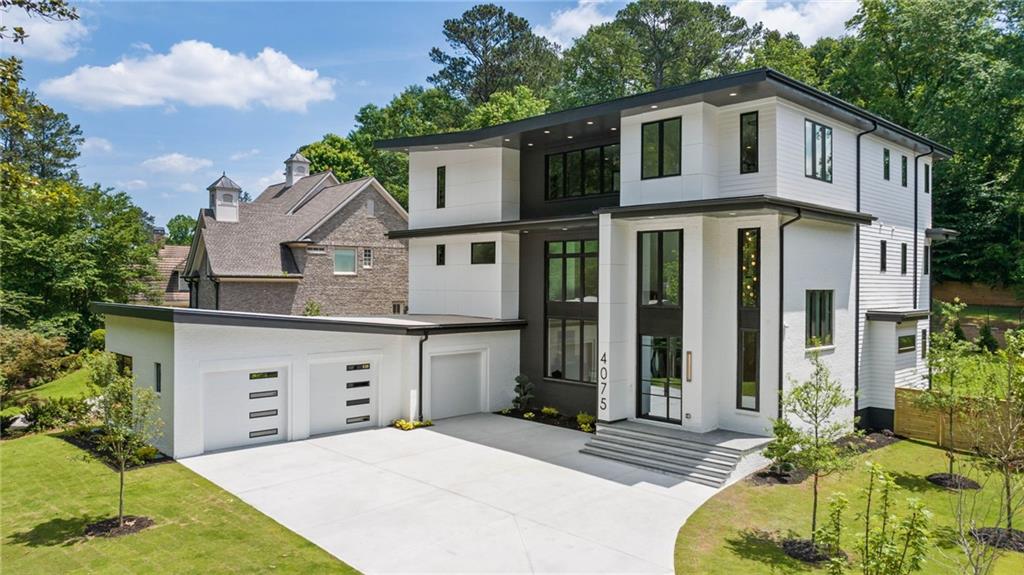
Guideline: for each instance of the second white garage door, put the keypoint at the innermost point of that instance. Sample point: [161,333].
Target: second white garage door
[244,407]
[455,383]
[342,396]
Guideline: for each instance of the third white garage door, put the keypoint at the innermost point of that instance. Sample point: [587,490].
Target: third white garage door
[342,395]
[455,383]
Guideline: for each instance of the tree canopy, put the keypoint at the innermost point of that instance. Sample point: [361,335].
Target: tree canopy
[180,229]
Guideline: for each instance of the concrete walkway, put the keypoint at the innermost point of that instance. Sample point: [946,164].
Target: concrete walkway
[480,493]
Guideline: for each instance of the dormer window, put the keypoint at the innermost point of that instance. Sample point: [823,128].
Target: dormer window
[227,198]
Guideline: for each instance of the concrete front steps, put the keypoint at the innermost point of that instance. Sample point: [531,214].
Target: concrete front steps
[706,458]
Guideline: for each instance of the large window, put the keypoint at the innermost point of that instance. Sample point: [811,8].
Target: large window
[819,318]
[441,175]
[885,163]
[482,253]
[817,151]
[748,376]
[571,310]
[344,261]
[748,143]
[660,273]
[661,148]
[586,172]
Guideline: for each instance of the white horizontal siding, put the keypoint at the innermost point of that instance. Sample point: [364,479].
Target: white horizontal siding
[877,371]
[730,181]
[792,183]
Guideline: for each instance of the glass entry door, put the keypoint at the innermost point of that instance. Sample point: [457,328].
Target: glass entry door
[661,381]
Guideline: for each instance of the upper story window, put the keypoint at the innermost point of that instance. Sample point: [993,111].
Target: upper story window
[572,271]
[748,143]
[367,258]
[660,270]
[926,261]
[883,256]
[344,261]
[586,172]
[817,151]
[819,317]
[440,186]
[903,259]
[903,171]
[885,163]
[439,255]
[927,178]
[482,253]
[661,145]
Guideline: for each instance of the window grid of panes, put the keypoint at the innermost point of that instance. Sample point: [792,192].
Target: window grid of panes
[819,318]
[587,172]
[572,271]
[817,151]
[572,349]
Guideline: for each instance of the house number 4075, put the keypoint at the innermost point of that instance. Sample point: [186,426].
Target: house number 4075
[603,381]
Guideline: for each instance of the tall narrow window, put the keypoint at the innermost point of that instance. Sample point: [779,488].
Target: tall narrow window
[439,255]
[748,338]
[885,163]
[903,171]
[440,186]
[819,318]
[748,143]
[924,344]
[817,151]
[926,261]
[883,256]
[158,377]
[903,259]
[367,258]
[661,148]
[571,310]
[927,178]
[659,323]
[482,253]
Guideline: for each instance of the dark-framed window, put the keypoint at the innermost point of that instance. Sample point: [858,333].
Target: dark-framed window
[124,363]
[906,343]
[660,269]
[926,261]
[927,178]
[885,163]
[661,148]
[571,288]
[748,334]
[924,344]
[883,256]
[585,172]
[903,171]
[817,151]
[571,349]
[748,143]
[903,259]
[439,255]
[572,271]
[819,318]
[441,177]
[158,377]
[482,253]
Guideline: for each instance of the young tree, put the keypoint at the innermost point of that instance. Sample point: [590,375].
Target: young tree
[817,403]
[892,545]
[130,423]
[970,509]
[180,229]
[504,107]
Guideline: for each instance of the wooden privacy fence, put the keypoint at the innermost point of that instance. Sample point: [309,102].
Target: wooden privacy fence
[916,422]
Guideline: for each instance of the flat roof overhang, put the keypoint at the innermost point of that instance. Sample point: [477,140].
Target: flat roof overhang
[941,234]
[556,223]
[721,91]
[393,325]
[896,315]
[731,206]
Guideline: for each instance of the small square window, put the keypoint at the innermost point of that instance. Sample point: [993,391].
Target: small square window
[439,255]
[397,307]
[482,253]
[344,261]
[367,258]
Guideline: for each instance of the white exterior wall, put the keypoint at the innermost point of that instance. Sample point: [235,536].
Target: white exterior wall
[910,367]
[792,183]
[148,342]
[731,182]
[481,185]
[460,287]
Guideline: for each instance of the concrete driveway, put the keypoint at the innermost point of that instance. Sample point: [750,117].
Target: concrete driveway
[480,493]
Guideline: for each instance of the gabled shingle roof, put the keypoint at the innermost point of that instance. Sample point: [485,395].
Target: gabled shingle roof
[224,182]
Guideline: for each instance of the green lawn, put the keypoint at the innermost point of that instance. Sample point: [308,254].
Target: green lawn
[50,493]
[722,536]
[71,384]
[996,314]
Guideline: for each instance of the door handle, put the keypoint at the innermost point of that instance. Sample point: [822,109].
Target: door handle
[689,366]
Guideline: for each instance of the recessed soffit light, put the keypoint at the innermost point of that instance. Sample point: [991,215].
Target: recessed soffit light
[613,129]
[654,106]
[570,137]
[590,122]
[547,131]
[732,93]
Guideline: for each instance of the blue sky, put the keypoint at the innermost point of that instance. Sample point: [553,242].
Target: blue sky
[170,94]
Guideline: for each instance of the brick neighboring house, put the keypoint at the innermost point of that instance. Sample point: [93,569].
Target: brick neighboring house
[170,281]
[309,238]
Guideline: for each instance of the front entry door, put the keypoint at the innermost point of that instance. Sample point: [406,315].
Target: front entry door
[660,326]
[661,382]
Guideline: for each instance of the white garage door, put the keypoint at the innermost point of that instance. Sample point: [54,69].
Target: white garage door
[455,382]
[342,396]
[244,407]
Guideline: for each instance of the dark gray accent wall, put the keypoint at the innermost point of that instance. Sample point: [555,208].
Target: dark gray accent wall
[569,398]
[875,418]
[532,203]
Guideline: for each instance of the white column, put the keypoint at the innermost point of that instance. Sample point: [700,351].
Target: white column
[615,355]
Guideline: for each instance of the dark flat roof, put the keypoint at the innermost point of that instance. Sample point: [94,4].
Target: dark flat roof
[723,90]
[393,324]
[739,203]
[896,315]
[503,226]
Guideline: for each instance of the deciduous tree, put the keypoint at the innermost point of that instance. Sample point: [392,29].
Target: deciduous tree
[180,229]
[509,106]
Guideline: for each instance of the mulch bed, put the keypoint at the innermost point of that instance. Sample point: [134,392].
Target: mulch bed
[559,420]
[870,441]
[952,481]
[88,439]
[768,477]
[1001,537]
[806,551]
[110,527]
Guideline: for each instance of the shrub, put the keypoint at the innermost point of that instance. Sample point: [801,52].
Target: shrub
[986,340]
[97,340]
[407,425]
[312,309]
[524,392]
[529,415]
[584,418]
[28,359]
[49,413]
[782,450]
[549,411]
[586,427]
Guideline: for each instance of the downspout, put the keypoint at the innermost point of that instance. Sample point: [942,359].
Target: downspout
[419,392]
[916,178]
[782,284]
[856,286]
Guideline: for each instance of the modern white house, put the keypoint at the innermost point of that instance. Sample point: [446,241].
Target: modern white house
[667,261]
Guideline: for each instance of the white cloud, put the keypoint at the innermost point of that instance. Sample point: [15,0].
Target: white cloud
[131,185]
[197,74]
[188,188]
[244,154]
[571,23]
[810,20]
[51,40]
[176,163]
[96,145]
[143,46]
